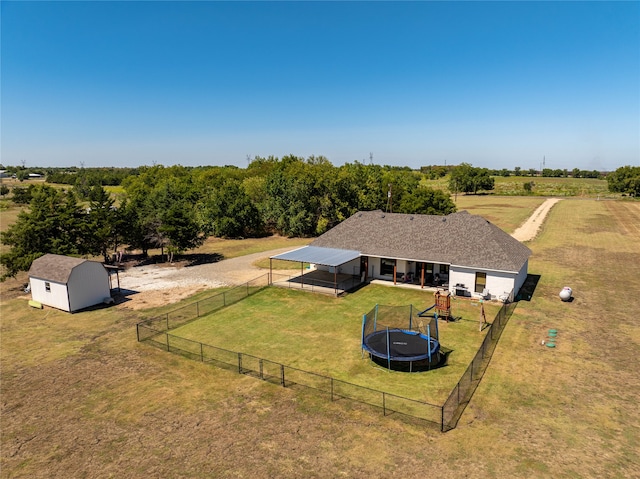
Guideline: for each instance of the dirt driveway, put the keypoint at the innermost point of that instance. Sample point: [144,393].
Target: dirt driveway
[530,228]
[159,284]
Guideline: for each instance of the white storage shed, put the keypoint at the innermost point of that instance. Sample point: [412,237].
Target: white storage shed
[67,283]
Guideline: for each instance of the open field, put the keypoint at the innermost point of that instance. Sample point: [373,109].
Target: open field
[321,334]
[81,398]
[505,212]
[543,186]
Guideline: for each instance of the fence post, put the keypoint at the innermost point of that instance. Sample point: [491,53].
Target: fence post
[239,363]
[138,331]
[168,347]
[201,353]
[167,321]
[282,376]
[197,309]
[442,419]
[384,404]
[261,373]
[331,389]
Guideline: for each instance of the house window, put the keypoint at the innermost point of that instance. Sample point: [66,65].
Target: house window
[386,266]
[47,287]
[444,270]
[481,282]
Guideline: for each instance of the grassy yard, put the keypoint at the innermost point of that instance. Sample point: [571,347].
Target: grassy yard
[321,334]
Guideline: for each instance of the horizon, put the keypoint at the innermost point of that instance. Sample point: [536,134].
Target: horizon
[496,85]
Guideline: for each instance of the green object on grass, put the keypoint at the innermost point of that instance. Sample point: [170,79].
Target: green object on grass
[35,304]
[551,344]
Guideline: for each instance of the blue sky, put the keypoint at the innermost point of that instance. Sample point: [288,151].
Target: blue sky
[494,84]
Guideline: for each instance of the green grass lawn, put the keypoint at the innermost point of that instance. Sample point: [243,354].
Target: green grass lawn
[321,334]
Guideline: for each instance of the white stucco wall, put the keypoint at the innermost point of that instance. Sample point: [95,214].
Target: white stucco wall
[88,285]
[56,297]
[521,278]
[498,282]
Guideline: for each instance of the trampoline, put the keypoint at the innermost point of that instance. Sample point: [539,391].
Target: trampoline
[404,343]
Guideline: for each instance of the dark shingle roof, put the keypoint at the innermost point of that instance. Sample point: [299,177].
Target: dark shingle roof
[54,267]
[459,238]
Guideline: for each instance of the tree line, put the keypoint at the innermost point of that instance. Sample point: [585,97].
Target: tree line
[176,208]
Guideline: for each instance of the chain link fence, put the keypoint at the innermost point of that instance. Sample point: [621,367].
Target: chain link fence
[155,331]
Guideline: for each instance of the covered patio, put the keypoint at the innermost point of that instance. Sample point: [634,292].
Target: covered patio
[328,278]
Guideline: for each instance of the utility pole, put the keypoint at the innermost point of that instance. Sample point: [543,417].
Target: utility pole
[389,203]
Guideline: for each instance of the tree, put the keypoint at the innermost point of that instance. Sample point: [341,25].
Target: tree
[229,212]
[426,201]
[22,195]
[161,210]
[101,223]
[468,179]
[53,223]
[528,186]
[625,179]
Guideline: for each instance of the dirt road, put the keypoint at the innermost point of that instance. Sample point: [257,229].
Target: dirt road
[529,229]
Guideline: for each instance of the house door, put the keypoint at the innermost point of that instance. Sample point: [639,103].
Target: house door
[364,268]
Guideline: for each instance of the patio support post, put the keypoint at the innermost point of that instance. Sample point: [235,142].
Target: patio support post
[395,272]
[422,277]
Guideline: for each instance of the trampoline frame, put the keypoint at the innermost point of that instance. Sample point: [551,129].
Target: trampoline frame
[395,335]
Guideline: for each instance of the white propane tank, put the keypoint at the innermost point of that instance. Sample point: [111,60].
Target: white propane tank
[565,294]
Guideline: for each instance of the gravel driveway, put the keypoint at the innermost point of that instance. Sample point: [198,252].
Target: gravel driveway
[158,284]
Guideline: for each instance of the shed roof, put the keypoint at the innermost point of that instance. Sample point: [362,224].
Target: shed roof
[54,267]
[460,239]
[319,255]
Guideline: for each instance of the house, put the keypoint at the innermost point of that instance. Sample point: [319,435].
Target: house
[461,252]
[67,283]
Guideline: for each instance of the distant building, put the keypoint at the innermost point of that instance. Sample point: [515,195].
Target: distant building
[67,283]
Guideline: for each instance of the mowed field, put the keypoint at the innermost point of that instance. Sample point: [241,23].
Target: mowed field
[81,398]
